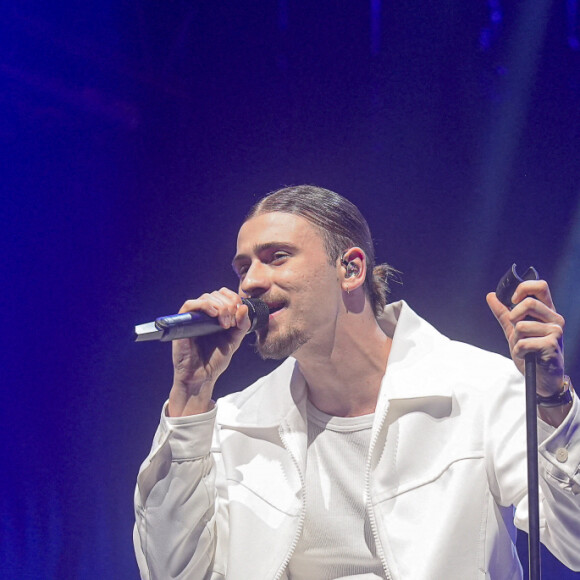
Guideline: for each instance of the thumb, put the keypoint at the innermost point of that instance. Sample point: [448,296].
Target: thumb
[243,321]
[501,312]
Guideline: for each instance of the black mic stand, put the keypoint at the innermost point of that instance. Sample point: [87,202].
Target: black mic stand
[504,292]
[534,561]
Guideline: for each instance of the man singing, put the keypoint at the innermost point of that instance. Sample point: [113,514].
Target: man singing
[378,449]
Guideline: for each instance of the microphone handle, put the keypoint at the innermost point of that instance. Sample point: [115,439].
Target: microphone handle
[194,324]
[187,325]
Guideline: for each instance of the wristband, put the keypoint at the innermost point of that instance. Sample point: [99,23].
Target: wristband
[559,399]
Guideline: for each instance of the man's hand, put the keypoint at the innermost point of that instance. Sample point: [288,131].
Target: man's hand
[198,362]
[543,335]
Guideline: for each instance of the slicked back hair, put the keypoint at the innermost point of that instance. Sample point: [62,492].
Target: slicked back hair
[341,226]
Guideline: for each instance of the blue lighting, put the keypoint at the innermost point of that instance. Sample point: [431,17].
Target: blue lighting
[488,34]
[375,27]
[573,25]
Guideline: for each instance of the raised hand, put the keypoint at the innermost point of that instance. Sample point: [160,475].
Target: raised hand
[198,362]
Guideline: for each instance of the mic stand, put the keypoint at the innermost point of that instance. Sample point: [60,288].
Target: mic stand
[534,560]
[505,289]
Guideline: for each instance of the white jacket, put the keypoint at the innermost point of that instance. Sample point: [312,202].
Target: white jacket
[221,494]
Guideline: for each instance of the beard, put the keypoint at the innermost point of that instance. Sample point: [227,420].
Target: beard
[279,346]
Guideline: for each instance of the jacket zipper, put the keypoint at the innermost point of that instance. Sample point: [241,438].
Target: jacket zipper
[302,512]
[370,509]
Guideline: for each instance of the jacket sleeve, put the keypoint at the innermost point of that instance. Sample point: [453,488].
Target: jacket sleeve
[559,468]
[558,471]
[176,505]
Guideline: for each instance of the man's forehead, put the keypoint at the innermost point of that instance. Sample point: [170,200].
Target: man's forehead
[275,225]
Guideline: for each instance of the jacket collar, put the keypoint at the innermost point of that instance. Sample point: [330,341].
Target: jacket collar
[415,346]
[270,401]
[280,397]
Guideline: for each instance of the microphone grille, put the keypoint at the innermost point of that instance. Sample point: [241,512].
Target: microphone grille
[258,312]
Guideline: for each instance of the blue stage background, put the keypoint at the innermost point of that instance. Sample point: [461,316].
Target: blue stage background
[135,136]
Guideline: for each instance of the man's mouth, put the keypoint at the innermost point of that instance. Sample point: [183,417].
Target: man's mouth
[275,306]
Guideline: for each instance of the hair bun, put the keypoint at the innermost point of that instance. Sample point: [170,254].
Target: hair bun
[382,275]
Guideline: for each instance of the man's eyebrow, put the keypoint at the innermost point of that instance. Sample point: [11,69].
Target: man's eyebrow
[259,248]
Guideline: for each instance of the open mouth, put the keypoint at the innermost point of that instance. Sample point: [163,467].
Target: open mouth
[275,307]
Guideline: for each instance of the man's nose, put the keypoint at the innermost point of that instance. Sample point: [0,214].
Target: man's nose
[256,280]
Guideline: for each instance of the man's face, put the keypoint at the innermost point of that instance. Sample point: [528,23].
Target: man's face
[282,260]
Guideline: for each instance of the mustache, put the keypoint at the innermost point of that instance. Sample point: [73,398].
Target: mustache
[274,302]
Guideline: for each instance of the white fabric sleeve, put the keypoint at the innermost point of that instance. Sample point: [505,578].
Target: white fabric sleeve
[175,501]
[558,470]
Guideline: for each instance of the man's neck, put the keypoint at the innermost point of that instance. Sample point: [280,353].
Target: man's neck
[345,378]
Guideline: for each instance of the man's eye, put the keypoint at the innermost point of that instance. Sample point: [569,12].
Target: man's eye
[279,256]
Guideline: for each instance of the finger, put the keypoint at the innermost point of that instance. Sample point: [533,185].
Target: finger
[547,348]
[549,336]
[530,328]
[501,312]
[201,304]
[532,308]
[242,318]
[221,304]
[230,302]
[538,289]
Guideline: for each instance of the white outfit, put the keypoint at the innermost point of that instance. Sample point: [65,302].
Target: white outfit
[336,540]
[445,474]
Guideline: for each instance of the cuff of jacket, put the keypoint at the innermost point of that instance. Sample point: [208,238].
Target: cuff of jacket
[188,437]
[561,447]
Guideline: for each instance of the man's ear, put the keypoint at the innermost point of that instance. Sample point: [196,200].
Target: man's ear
[353,267]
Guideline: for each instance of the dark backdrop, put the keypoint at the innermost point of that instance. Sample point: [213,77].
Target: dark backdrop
[136,134]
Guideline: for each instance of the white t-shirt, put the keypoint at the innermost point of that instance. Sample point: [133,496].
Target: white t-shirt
[336,541]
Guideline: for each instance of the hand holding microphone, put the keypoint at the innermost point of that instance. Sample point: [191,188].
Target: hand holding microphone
[201,350]
[194,324]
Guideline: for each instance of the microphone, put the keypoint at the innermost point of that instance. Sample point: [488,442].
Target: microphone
[193,324]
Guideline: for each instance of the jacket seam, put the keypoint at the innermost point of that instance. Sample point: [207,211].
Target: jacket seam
[389,493]
[253,492]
